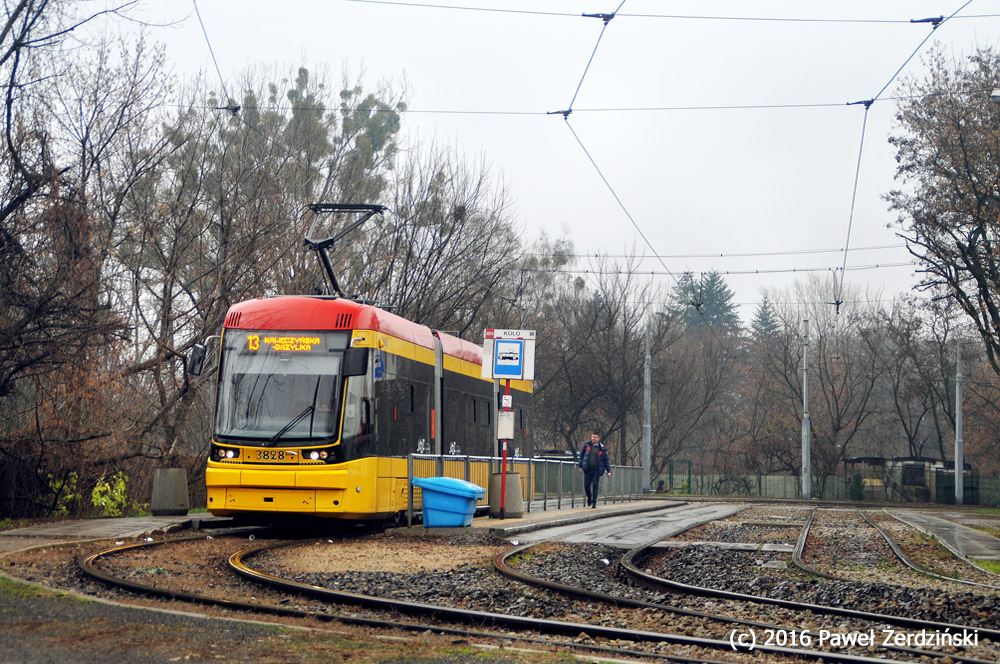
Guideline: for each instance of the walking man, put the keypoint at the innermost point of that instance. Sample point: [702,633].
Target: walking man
[594,462]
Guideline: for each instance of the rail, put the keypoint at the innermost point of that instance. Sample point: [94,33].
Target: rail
[546,483]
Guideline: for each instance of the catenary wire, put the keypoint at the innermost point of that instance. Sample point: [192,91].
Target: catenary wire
[211,51]
[576,136]
[606,18]
[635,109]
[935,24]
[790,270]
[751,254]
[614,194]
[838,293]
[691,17]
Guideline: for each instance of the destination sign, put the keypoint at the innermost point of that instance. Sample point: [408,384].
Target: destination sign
[293,344]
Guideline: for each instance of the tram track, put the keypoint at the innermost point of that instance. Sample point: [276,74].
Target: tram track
[631,564]
[449,614]
[733,623]
[657,626]
[631,567]
[897,549]
[438,613]
[871,620]
[592,630]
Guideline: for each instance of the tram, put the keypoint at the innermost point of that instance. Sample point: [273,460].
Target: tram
[321,400]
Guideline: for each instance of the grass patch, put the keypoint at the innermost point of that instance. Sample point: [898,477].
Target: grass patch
[989,530]
[939,551]
[988,565]
[11,524]
[10,588]
[310,649]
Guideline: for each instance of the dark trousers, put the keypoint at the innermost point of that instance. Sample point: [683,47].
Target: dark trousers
[591,480]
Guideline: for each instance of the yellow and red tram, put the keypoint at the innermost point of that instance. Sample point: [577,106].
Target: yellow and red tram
[320,400]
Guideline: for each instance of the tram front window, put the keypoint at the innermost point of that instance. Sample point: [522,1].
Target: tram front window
[279,388]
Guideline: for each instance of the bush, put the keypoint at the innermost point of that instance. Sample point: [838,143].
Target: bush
[857,487]
[111,498]
[64,493]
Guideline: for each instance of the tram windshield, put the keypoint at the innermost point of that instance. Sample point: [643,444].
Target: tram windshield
[279,387]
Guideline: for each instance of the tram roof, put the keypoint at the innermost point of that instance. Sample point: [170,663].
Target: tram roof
[305,312]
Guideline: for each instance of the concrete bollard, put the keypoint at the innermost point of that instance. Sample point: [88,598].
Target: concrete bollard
[513,500]
[170,492]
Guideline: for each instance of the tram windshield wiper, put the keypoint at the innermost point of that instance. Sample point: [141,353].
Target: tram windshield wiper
[288,427]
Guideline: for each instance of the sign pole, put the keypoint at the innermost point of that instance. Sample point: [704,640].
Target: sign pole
[507,355]
[503,463]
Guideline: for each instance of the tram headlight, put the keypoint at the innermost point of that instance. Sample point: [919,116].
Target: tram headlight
[314,455]
[323,455]
[221,453]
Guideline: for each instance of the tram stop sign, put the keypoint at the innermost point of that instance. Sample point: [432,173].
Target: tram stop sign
[509,354]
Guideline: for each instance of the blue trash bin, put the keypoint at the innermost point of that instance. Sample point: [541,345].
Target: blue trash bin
[448,502]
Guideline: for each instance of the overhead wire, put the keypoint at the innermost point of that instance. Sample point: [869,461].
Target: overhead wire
[838,291]
[234,109]
[789,270]
[229,105]
[614,194]
[634,109]
[935,24]
[606,18]
[691,17]
[749,254]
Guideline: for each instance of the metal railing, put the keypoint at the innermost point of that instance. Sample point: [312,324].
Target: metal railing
[545,483]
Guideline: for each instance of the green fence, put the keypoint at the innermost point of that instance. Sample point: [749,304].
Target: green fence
[986,492]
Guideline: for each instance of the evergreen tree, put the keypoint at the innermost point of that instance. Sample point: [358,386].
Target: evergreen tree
[765,320]
[705,301]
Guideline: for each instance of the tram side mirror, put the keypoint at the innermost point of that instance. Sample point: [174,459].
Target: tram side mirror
[196,361]
[355,362]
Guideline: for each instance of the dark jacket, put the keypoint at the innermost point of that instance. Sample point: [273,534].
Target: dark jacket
[603,463]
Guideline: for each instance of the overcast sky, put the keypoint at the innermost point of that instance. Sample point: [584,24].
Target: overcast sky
[695,178]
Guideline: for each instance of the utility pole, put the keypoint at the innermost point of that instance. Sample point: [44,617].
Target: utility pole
[959,452]
[806,472]
[647,420]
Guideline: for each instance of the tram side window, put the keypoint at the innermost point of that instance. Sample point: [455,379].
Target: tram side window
[455,422]
[386,414]
[357,408]
[406,424]
[482,430]
[402,416]
[525,434]
[420,418]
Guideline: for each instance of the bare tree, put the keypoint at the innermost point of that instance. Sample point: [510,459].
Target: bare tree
[448,249]
[948,151]
[590,359]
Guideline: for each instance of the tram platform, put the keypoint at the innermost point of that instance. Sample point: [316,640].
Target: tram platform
[127,528]
[101,528]
[962,540]
[538,518]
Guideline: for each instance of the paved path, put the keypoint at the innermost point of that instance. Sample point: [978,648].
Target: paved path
[133,527]
[965,541]
[630,531]
[61,531]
